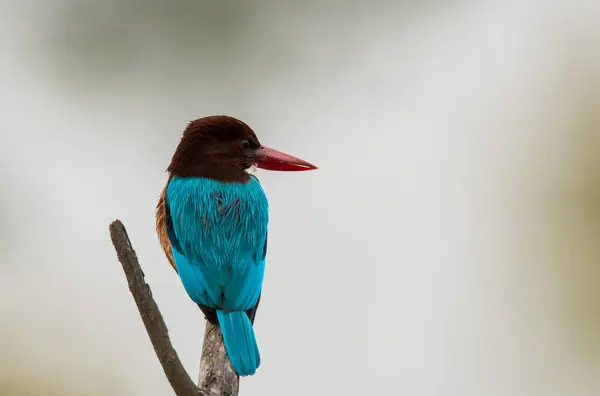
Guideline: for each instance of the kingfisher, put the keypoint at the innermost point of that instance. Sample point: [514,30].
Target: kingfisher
[211,221]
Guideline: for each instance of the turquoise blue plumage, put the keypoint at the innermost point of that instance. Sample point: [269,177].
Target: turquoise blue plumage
[218,235]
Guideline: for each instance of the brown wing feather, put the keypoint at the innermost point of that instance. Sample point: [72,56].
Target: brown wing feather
[161,227]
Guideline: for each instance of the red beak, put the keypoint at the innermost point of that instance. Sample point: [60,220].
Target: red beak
[271,159]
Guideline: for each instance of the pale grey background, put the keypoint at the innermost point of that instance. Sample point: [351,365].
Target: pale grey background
[448,245]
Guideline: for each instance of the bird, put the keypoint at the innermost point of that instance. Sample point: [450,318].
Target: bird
[212,218]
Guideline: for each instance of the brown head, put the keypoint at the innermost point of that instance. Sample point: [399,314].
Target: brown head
[224,148]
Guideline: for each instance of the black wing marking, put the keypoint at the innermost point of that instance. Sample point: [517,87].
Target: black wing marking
[211,315]
[170,230]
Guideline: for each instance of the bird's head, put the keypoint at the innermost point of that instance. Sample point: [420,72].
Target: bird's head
[224,148]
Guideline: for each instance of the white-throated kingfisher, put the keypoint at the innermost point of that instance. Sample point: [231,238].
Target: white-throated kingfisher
[212,219]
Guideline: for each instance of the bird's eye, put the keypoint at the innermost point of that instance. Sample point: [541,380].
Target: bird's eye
[245,144]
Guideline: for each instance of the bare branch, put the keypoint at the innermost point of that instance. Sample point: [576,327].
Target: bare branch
[155,325]
[217,377]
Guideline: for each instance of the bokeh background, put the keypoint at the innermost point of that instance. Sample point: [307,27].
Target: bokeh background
[448,245]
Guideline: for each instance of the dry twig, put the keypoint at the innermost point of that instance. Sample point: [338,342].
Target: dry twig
[217,377]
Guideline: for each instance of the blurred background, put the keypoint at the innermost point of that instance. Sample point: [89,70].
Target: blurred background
[448,245]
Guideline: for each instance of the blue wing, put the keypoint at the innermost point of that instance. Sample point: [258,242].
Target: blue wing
[218,235]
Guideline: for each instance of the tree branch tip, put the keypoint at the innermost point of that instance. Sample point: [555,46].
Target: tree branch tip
[115,225]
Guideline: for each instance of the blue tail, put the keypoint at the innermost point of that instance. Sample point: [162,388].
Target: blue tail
[240,342]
